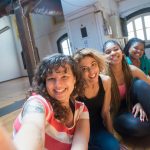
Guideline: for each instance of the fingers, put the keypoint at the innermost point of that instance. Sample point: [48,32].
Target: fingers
[143,116]
[123,147]
[135,111]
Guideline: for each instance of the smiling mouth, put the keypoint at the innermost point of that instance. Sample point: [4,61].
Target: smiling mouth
[114,58]
[93,76]
[60,91]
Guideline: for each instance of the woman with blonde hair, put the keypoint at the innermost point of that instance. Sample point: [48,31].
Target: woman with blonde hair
[97,98]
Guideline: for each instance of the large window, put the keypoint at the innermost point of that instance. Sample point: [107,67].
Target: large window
[139,27]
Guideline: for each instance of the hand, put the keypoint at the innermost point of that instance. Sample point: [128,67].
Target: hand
[139,109]
[123,147]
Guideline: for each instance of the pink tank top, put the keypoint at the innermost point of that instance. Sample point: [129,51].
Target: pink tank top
[122,90]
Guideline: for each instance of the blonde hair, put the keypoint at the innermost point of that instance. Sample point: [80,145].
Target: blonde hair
[99,57]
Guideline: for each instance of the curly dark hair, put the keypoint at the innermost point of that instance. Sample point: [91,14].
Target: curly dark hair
[114,87]
[47,65]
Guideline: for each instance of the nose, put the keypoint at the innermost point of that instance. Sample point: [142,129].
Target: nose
[58,83]
[112,52]
[90,69]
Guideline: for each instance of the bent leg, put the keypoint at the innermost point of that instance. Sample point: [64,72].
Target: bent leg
[140,92]
[126,125]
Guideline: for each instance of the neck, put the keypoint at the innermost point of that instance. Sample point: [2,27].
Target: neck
[117,69]
[135,61]
[92,85]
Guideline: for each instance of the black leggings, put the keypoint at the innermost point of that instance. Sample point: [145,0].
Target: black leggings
[125,123]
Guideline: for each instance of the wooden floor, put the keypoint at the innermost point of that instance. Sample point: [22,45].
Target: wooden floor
[11,92]
[14,91]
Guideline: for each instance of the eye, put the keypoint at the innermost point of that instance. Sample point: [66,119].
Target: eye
[108,51]
[116,49]
[94,64]
[84,69]
[50,79]
[64,77]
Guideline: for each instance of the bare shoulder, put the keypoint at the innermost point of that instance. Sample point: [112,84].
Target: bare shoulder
[106,81]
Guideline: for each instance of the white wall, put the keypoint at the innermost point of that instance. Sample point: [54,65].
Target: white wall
[46,33]
[57,31]
[9,62]
[17,42]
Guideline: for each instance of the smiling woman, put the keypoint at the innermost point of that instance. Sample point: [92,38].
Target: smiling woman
[97,98]
[135,54]
[130,93]
[51,112]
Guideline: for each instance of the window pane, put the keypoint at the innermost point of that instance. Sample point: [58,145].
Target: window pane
[148,33]
[138,23]
[147,21]
[130,27]
[140,34]
[130,35]
[65,47]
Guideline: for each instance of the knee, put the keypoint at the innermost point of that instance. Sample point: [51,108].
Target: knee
[126,124]
[140,84]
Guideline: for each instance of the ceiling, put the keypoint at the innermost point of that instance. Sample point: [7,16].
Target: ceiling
[44,7]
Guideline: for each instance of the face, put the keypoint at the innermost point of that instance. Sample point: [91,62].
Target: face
[136,50]
[113,53]
[60,83]
[90,69]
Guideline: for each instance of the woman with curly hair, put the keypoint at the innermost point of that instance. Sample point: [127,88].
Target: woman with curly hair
[130,93]
[97,98]
[51,116]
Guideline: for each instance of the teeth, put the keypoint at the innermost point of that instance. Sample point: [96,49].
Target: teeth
[59,91]
[93,76]
[114,57]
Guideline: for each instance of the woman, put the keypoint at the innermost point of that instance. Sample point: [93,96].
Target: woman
[51,117]
[97,97]
[134,50]
[130,97]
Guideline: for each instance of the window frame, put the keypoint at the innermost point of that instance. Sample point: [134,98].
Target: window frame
[143,24]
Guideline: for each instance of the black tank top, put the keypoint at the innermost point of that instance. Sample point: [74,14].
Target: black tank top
[94,106]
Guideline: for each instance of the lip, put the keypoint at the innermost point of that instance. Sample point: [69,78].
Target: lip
[59,92]
[93,76]
[114,58]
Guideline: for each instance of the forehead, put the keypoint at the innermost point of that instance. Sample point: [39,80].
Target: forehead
[87,60]
[138,44]
[61,69]
[111,45]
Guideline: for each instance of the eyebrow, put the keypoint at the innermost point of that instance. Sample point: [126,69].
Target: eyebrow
[91,63]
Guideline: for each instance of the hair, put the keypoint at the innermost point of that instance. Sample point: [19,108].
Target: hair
[132,42]
[47,65]
[114,87]
[100,59]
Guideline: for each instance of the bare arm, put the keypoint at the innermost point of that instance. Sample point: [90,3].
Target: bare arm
[31,133]
[81,136]
[138,73]
[106,106]
[5,141]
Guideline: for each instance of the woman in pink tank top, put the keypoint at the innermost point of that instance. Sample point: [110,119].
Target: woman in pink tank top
[130,93]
